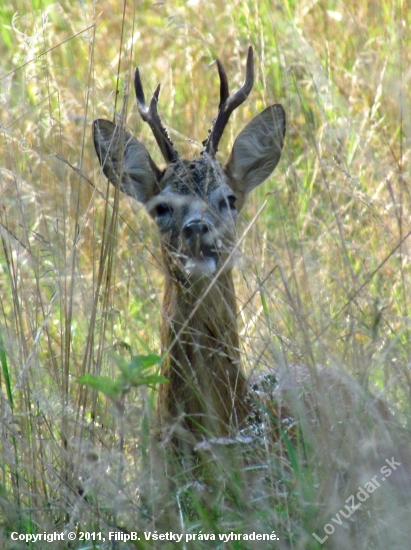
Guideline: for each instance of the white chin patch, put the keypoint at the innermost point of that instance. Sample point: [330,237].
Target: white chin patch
[205,267]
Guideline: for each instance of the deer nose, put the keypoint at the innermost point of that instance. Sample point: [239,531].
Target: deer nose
[194,230]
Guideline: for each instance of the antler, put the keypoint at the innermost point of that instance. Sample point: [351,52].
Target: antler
[228,103]
[151,116]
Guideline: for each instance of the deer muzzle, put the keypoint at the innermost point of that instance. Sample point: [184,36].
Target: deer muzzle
[200,247]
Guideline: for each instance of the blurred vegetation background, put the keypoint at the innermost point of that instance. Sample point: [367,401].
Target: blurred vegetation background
[323,276]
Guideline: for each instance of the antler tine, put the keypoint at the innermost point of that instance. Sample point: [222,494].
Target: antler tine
[224,90]
[151,116]
[228,103]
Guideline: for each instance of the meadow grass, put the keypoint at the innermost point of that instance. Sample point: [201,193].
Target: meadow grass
[323,277]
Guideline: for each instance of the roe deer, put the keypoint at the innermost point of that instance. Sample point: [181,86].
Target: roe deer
[195,204]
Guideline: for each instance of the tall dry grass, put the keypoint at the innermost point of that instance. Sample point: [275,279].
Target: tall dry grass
[323,278]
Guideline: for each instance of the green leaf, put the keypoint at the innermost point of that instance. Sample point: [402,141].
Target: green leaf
[144,361]
[5,369]
[147,379]
[108,386]
[137,370]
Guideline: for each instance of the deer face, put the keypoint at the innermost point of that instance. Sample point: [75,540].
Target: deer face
[194,203]
[196,215]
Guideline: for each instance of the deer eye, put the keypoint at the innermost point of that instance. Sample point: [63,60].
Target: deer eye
[227,202]
[163,208]
[231,201]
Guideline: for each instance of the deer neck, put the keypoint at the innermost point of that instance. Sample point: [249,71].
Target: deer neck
[207,387]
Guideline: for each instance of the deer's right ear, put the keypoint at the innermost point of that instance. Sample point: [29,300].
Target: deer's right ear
[123,158]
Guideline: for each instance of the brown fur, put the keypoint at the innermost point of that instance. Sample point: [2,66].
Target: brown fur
[207,385]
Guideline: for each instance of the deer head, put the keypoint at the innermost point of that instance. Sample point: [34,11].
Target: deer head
[195,204]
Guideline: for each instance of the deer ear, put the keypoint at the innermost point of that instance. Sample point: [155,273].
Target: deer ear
[126,160]
[256,150]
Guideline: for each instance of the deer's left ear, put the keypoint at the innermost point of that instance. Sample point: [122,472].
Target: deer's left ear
[256,150]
